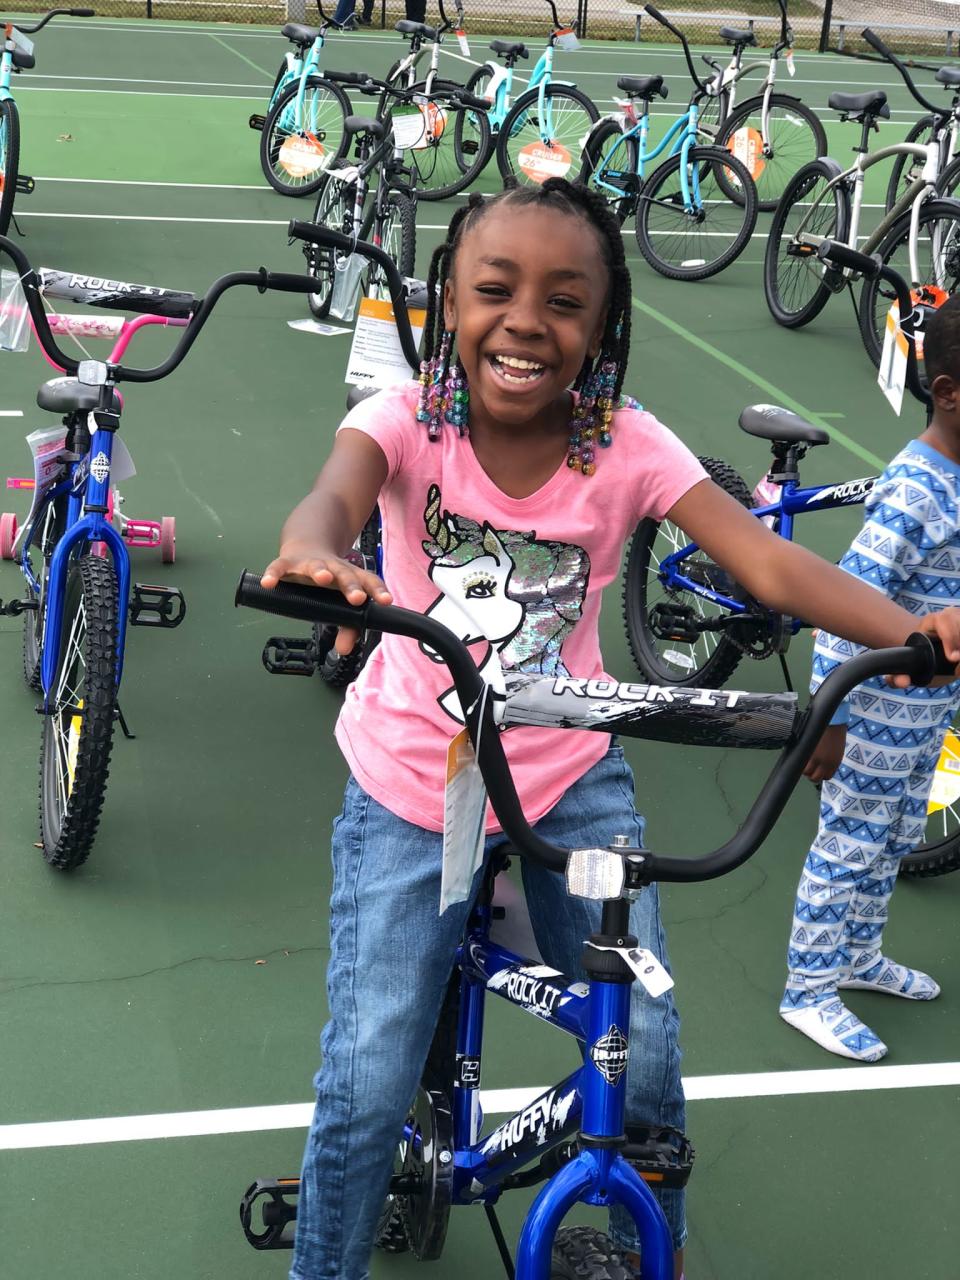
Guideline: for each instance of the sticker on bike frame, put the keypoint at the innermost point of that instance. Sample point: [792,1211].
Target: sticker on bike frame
[538,1121]
[747,145]
[529,986]
[542,160]
[468,1072]
[610,1054]
[100,467]
[302,155]
[946,779]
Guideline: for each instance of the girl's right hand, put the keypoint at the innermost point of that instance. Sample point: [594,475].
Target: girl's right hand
[321,570]
[827,755]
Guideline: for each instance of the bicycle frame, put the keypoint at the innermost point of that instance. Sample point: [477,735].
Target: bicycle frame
[407,70]
[682,134]
[6,63]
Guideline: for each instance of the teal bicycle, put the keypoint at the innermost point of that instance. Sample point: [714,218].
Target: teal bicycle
[696,212]
[17,56]
[540,135]
[302,133]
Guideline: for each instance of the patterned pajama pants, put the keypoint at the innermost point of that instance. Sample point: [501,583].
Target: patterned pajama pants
[872,812]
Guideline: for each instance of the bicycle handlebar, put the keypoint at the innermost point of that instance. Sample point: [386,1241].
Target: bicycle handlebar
[888,55]
[54,13]
[665,22]
[919,657]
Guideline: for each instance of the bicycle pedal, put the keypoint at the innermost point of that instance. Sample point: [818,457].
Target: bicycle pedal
[153,606]
[290,656]
[275,1212]
[257,122]
[674,622]
[13,608]
[662,1156]
[24,186]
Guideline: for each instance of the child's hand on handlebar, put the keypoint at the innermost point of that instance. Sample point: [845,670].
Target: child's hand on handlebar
[826,756]
[944,626]
[316,569]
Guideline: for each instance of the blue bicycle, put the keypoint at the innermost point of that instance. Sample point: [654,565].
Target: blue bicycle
[302,133]
[695,214]
[573,1137]
[17,56]
[80,593]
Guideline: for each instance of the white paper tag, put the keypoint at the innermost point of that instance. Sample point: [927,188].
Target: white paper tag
[24,43]
[462,42]
[649,970]
[317,326]
[566,39]
[790,67]
[464,811]
[408,128]
[892,375]
[376,357]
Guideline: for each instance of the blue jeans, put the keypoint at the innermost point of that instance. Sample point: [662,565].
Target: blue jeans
[391,958]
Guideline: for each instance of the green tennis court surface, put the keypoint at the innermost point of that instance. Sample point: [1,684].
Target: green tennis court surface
[182,970]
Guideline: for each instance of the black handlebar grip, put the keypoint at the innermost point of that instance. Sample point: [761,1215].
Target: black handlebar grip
[661,18]
[347,77]
[841,255]
[470,100]
[286,282]
[931,659]
[293,600]
[875,41]
[313,233]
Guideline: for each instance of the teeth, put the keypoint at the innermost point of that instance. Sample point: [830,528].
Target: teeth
[513,362]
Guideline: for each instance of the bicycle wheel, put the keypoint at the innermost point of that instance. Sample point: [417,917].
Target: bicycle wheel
[711,117]
[522,152]
[948,184]
[294,159]
[693,243]
[479,86]
[940,852]
[584,1253]
[795,136]
[9,161]
[396,234]
[938,261]
[713,657]
[334,209]
[610,148]
[794,286]
[75,755]
[455,147]
[906,169]
[46,536]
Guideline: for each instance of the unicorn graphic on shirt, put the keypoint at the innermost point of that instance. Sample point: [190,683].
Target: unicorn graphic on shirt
[520,594]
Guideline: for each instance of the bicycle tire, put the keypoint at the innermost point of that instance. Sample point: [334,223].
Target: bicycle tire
[333,209]
[938,237]
[712,111]
[454,160]
[49,535]
[9,161]
[397,235]
[678,663]
[584,1253]
[794,287]
[521,130]
[75,757]
[327,109]
[796,136]
[921,129]
[663,221]
[606,139]
[948,184]
[478,85]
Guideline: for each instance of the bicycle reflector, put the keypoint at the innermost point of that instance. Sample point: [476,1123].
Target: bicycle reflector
[597,874]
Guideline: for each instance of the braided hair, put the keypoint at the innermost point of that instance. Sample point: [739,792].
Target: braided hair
[566,197]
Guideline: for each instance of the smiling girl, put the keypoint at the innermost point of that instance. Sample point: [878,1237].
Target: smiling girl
[508,481]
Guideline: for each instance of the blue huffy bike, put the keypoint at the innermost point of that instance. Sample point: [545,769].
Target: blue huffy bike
[573,1137]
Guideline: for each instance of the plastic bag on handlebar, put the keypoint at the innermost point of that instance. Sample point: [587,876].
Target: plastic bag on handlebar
[346,286]
[14,316]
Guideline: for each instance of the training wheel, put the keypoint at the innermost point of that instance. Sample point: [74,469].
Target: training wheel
[168,539]
[8,535]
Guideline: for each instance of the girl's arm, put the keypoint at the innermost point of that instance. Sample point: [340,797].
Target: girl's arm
[792,580]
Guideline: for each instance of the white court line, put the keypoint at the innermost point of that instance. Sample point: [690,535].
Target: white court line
[129,182]
[154,93]
[296,1115]
[190,84]
[11,413]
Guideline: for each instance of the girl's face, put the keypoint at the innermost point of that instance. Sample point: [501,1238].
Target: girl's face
[528,300]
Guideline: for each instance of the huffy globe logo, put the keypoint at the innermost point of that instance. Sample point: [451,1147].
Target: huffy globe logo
[609,1055]
[100,467]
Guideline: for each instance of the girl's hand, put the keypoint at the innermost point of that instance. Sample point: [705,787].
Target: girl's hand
[318,569]
[945,627]
[827,754]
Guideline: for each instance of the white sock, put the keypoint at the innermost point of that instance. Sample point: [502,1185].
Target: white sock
[831,1025]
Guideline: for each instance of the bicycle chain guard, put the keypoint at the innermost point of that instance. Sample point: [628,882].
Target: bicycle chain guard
[425,1158]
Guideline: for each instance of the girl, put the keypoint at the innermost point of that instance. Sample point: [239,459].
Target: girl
[506,499]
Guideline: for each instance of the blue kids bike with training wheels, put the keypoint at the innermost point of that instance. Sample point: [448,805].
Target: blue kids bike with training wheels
[573,1137]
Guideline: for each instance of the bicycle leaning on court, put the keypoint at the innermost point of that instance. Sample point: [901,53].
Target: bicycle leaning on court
[573,1137]
[696,212]
[17,56]
[80,594]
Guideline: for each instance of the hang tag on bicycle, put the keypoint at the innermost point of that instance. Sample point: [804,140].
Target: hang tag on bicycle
[302,155]
[892,375]
[14,329]
[376,356]
[23,43]
[791,69]
[566,39]
[462,41]
[409,124]
[346,286]
[651,974]
[464,815]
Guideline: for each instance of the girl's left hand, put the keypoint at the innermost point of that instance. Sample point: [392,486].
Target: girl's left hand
[945,627]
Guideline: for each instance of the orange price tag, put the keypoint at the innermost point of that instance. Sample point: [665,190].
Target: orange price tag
[542,160]
[301,154]
[747,145]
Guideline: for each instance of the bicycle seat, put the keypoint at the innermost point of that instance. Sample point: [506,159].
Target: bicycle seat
[299,34]
[356,394]
[949,76]
[508,49]
[873,103]
[642,86]
[25,61]
[780,425]
[364,124]
[415,29]
[733,35]
[67,395]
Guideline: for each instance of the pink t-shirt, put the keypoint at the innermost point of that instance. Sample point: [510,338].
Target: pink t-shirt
[522,576]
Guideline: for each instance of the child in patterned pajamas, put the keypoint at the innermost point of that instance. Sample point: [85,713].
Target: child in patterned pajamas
[873,806]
